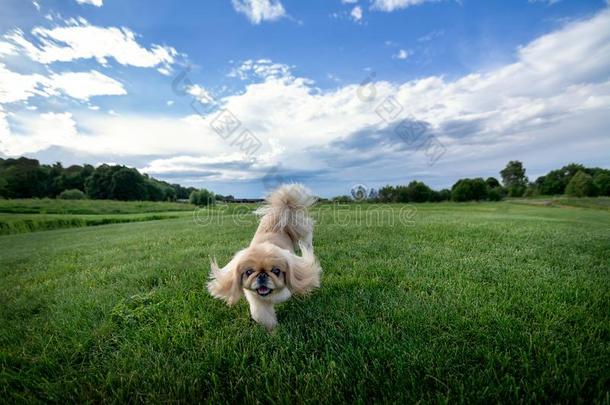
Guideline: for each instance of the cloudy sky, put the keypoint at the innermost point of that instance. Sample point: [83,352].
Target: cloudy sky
[237,95]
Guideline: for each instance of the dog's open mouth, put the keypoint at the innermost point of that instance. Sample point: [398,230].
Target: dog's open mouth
[264,291]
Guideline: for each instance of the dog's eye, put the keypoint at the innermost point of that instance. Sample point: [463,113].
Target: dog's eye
[249,272]
[276,271]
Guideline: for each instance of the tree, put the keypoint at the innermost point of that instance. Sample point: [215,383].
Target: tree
[202,197]
[127,184]
[494,194]
[387,194]
[478,189]
[418,191]
[461,190]
[602,183]
[556,181]
[154,191]
[27,178]
[492,182]
[514,179]
[97,186]
[444,195]
[581,185]
[469,189]
[24,178]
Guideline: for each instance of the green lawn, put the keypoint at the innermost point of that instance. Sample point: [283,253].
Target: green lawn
[30,215]
[601,203]
[84,207]
[487,302]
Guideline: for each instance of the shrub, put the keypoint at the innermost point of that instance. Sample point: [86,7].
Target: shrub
[531,190]
[73,194]
[602,183]
[492,182]
[418,191]
[581,185]
[202,197]
[516,190]
[494,194]
[444,195]
[469,189]
[342,199]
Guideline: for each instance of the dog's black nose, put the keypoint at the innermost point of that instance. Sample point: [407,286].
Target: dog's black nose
[262,277]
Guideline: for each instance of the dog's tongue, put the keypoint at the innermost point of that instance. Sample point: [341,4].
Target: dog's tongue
[263,290]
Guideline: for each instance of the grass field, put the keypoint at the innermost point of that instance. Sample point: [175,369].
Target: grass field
[84,207]
[487,302]
[30,215]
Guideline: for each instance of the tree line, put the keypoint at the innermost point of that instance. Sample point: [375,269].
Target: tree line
[573,180]
[27,178]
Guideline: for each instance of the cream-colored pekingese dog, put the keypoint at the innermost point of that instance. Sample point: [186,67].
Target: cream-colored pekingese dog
[268,271]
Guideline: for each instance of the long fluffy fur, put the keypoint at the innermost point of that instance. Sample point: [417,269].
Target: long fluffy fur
[305,272]
[286,210]
[285,226]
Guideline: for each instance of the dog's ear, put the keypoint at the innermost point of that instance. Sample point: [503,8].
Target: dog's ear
[303,271]
[225,283]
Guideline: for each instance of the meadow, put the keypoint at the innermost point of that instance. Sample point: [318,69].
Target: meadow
[472,302]
[30,215]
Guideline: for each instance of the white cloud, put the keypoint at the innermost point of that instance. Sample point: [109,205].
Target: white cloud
[81,40]
[391,5]
[96,3]
[83,85]
[15,87]
[199,93]
[7,49]
[356,13]
[431,36]
[555,95]
[4,128]
[401,54]
[548,2]
[38,132]
[262,69]
[258,11]
[349,1]
[169,103]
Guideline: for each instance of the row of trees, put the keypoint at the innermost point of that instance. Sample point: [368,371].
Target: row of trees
[27,178]
[573,180]
[476,189]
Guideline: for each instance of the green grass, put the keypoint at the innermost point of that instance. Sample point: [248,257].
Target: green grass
[84,207]
[20,223]
[465,303]
[601,203]
[30,215]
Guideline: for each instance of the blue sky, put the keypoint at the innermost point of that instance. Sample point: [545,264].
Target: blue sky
[331,93]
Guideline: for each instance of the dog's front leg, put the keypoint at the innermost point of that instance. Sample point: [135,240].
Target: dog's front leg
[261,311]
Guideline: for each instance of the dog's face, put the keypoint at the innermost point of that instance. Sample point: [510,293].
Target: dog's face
[266,270]
[263,271]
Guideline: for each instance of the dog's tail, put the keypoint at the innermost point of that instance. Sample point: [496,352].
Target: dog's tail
[286,210]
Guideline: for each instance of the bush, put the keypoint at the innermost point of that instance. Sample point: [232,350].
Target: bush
[531,191]
[202,197]
[469,189]
[516,190]
[602,183]
[494,194]
[581,185]
[72,194]
[342,199]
